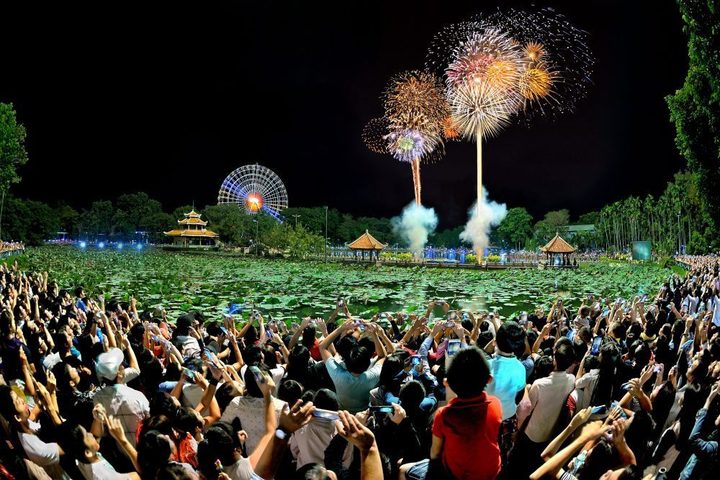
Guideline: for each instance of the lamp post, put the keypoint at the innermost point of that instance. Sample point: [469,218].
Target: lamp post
[325,249]
[296,217]
[257,230]
[679,234]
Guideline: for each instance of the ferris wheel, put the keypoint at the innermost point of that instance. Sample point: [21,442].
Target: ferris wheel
[256,188]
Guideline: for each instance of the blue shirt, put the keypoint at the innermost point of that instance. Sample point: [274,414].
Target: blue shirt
[353,391]
[508,379]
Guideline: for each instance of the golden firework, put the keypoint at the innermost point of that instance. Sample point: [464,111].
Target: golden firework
[415,101]
[534,51]
[502,74]
[536,82]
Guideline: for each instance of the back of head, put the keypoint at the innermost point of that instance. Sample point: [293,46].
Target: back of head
[311,471]
[564,357]
[468,373]
[308,336]
[71,438]
[510,338]
[153,453]
[357,360]
[411,395]
[326,399]
[221,443]
[390,369]
[290,391]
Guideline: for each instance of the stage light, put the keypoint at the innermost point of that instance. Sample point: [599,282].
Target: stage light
[139,246]
[101,245]
[119,246]
[83,244]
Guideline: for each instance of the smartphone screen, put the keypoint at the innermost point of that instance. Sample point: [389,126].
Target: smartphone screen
[382,409]
[453,347]
[327,415]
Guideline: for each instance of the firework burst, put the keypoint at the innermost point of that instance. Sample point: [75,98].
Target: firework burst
[481,110]
[408,145]
[558,61]
[375,134]
[415,100]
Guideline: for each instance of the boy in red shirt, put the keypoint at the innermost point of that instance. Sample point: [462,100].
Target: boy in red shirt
[465,432]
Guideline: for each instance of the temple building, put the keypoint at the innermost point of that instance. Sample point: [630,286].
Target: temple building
[366,248]
[192,232]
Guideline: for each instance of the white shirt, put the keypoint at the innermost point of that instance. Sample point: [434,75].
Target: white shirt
[251,412]
[584,388]
[101,470]
[547,397]
[240,470]
[46,455]
[126,404]
[309,443]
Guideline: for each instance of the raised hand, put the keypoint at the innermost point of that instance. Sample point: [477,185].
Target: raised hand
[292,419]
[354,432]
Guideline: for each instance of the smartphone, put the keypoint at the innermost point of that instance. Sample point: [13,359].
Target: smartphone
[257,373]
[656,369]
[326,415]
[626,387]
[189,373]
[602,409]
[616,404]
[224,331]
[453,347]
[595,349]
[382,409]
[383,315]
[340,303]
[449,324]
[415,360]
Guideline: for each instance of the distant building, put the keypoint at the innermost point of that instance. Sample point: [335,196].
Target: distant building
[572,230]
[192,232]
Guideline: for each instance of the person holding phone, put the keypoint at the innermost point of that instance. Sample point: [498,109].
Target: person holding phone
[508,375]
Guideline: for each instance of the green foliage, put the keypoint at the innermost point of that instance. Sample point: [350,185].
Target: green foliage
[234,226]
[695,111]
[28,221]
[12,147]
[400,257]
[289,289]
[515,228]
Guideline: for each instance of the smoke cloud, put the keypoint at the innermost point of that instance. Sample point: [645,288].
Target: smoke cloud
[477,230]
[415,225]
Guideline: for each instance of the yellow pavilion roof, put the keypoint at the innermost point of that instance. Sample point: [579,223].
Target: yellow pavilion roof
[558,245]
[191,233]
[366,242]
[192,221]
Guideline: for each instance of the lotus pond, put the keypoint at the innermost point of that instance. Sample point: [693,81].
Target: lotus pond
[288,290]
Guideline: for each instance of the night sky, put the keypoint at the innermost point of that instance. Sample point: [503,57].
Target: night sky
[168,100]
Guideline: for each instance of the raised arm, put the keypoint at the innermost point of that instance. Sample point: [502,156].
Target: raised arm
[327,341]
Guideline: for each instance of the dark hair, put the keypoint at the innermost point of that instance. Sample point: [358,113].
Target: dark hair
[162,403]
[390,369]
[253,355]
[543,367]
[153,453]
[173,471]
[7,406]
[160,423]
[225,394]
[564,357]
[326,399]
[187,420]
[411,395]
[308,336]
[609,359]
[311,471]
[510,338]
[290,391]
[597,461]
[358,359]
[468,372]
[71,438]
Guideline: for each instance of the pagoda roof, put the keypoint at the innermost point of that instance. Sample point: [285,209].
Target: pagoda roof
[558,245]
[191,233]
[366,242]
[192,221]
[192,214]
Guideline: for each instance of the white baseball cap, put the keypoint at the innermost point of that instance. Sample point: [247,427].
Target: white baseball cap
[108,364]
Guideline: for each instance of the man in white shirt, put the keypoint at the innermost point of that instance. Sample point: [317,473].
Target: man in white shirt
[127,404]
[547,397]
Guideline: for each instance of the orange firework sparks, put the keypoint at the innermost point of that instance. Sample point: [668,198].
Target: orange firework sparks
[450,130]
[502,74]
[536,82]
[534,51]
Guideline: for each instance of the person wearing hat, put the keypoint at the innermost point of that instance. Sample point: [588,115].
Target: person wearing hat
[127,404]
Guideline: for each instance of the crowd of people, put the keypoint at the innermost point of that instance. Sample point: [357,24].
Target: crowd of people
[611,389]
